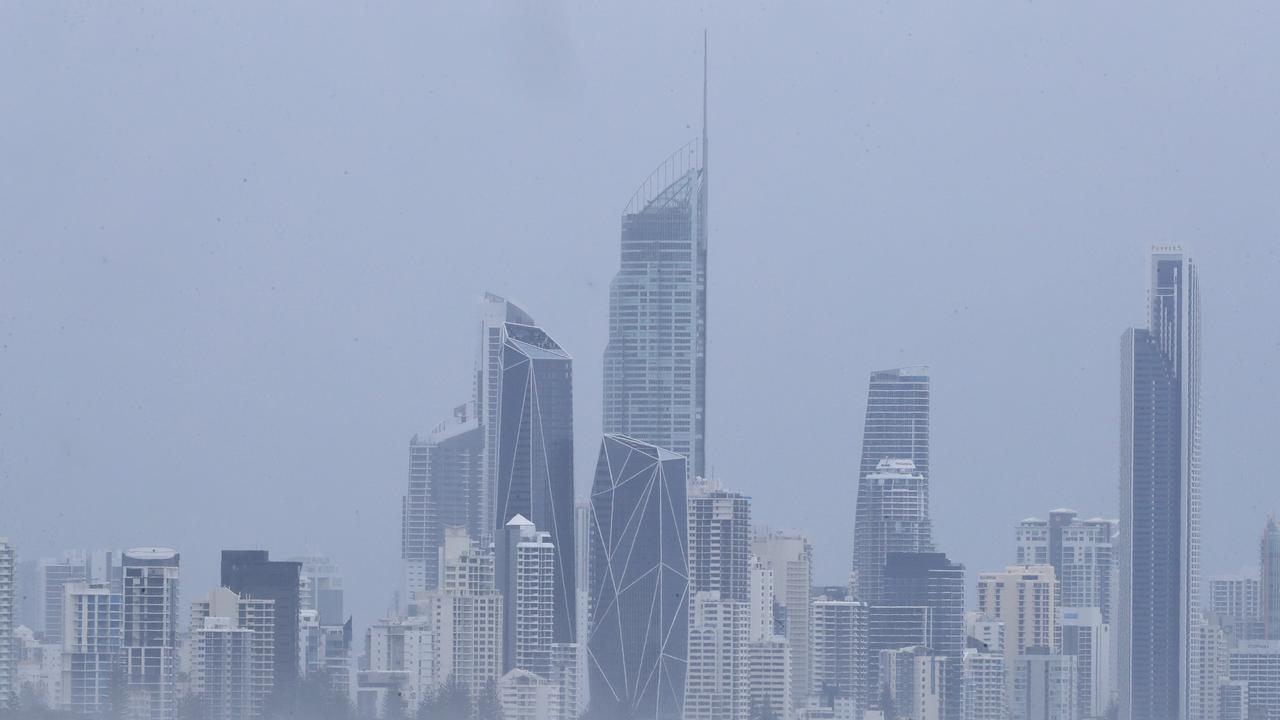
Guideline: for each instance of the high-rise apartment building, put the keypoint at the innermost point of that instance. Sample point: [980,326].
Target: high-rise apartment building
[638,647]
[1269,578]
[1159,541]
[1044,686]
[464,615]
[769,677]
[892,516]
[840,668]
[1235,605]
[655,365]
[1257,663]
[321,588]
[232,653]
[931,581]
[913,682]
[1208,667]
[526,566]
[92,618]
[984,691]
[252,575]
[719,540]
[535,453]
[149,633]
[716,683]
[1023,598]
[8,560]
[1084,636]
[54,575]
[789,556]
[1081,553]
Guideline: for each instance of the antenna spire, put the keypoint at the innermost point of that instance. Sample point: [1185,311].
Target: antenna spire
[704,100]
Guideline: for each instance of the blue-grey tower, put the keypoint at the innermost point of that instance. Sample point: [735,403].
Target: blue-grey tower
[1160,495]
[655,365]
[638,646]
[535,454]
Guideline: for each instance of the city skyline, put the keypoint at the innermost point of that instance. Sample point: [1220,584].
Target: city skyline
[230,357]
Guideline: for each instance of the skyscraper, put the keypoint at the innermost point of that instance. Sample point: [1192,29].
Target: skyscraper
[1160,494]
[840,651]
[233,654]
[321,588]
[535,454]
[1269,576]
[930,580]
[454,469]
[655,365]
[892,516]
[251,575]
[1080,552]
[526,562]
[7,586]
[1021,597]
[1087,638]
[1044,686]
[719,610]
[719,540]
[149,634]
[638,649]
[92,617]
[897,421]
[54,576]
[788,554]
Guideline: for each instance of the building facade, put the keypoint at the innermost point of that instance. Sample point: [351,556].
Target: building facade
[93,615]
[1269,579]
[638,645]
[1081,553]
[149,633]
[892,516]
[535,453]
[8,586]
[655,364]
[1044,687]
[788,555]
[525,567]
[251,574]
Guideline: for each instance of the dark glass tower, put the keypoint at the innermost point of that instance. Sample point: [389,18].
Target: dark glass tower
[1269,576]
[655,365]
[930,580]
[638,647]
[535,453]
[1160,495]
[250,574]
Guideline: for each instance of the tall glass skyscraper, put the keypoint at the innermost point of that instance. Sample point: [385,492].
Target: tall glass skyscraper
[1159,548]
[535,453]
[638,647]
[655,365]
[1269,578]
[897,422]
[453,471]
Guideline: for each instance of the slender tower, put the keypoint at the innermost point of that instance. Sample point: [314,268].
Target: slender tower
[1160,495]
[1269,576]
[655,365]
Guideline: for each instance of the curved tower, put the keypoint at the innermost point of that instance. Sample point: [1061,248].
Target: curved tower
[655,365]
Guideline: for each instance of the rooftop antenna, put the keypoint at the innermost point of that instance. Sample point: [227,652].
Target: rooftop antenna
[704,101]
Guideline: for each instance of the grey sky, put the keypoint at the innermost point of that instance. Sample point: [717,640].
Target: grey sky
[241,248]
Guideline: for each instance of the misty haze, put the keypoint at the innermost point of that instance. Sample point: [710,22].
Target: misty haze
[542,361]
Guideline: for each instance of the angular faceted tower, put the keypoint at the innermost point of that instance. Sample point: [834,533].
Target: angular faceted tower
[535,454]
[638,647]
